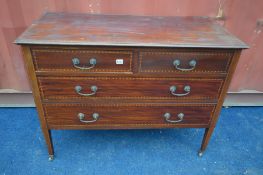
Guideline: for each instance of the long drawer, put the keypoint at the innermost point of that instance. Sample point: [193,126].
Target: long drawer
[127,88]
[124,115]
[83,60]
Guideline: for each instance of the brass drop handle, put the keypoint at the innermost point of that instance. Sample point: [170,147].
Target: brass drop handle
[187,90]
[191,63]
[92,88]
[81,117]
[76,63]
[167,117]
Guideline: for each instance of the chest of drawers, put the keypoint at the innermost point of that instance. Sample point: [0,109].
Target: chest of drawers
[128,72]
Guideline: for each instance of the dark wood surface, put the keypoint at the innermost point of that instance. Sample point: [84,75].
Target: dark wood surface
[116,30]
[152,61]
[137,93]
[141,115]
[61,88]
[161,62]
[61,59]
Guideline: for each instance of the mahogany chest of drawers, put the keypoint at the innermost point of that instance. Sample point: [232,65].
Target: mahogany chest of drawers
[128,72]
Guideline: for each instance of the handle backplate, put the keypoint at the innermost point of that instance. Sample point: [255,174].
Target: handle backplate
[191,63]
[92,88]
[81,117]
[76,63]
[187,90]
[167,117]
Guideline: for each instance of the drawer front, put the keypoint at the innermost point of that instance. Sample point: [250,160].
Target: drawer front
[126,88]
[184,61]
[81,114]
[77,60]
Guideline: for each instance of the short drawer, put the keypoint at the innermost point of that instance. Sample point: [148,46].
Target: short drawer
[184,61]
[128,88]
[82,60]
[126,114]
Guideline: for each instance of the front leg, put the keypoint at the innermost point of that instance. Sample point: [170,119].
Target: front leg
[48,139]
[206,138]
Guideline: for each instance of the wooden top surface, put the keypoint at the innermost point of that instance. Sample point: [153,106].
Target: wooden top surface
[124,30]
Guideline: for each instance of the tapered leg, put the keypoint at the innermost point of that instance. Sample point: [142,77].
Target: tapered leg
[206,138]
[48,138]
[37,97]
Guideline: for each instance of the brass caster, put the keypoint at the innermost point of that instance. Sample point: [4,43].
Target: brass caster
[200,153]
[51,158]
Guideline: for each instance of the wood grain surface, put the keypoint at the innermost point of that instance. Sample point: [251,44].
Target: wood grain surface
[125,30]
[207,61]
[112,116]
[55,59]
[60,88]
